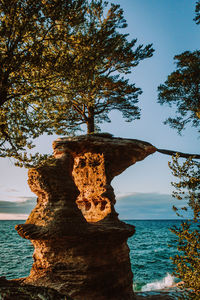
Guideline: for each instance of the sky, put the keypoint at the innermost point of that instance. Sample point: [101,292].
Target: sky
[143,191]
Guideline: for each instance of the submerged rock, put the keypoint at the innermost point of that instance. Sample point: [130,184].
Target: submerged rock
[80,244]
[170,294]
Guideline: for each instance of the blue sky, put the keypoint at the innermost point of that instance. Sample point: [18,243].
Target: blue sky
[170,27]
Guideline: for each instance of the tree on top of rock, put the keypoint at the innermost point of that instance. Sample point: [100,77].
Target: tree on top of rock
[95,85]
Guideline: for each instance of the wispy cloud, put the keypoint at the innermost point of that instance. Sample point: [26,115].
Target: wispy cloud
[11,190]
[11,194]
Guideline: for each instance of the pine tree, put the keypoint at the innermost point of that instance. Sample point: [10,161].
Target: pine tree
[95,84]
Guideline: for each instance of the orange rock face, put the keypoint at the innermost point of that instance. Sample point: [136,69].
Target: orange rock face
[80,244]
[90,178]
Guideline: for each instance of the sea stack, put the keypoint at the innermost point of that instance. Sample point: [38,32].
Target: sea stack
[80,244]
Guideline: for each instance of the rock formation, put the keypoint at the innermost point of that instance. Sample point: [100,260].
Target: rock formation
[80,244]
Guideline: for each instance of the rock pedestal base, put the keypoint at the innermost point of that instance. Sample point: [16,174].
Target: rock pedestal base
[80,244]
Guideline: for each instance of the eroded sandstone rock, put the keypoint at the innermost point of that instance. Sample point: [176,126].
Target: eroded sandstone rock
[80,244]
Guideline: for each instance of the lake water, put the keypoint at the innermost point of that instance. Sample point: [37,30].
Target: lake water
[149,253]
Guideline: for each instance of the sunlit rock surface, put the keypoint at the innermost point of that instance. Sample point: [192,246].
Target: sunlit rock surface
[80,244]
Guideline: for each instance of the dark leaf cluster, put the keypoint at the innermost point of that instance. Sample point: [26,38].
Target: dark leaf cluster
[197,11]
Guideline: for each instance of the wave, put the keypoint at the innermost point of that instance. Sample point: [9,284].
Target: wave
[166,282]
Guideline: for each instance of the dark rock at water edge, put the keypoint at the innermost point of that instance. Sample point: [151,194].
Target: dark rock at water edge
[14,290]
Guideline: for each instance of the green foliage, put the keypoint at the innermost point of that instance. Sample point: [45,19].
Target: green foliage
[187,262]
[182,89]
[29,34]
[93,85]
[188,186]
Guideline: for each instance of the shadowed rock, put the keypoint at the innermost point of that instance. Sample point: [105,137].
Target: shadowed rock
[13,290]
[80,244]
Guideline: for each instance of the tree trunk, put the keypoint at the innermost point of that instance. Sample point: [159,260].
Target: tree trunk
[90,120]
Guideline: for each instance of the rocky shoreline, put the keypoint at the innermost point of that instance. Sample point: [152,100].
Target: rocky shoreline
[14,289]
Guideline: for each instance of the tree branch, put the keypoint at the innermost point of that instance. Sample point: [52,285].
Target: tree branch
[184,155]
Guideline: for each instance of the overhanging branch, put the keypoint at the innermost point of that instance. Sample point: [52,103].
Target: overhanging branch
[184,155]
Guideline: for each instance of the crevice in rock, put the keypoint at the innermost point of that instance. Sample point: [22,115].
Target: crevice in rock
[90,178]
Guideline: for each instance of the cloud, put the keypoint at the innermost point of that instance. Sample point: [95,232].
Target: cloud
[13,216]
[147,206]
[23,205]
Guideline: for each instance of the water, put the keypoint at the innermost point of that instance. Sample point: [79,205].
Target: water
[15,252]
[149,253]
